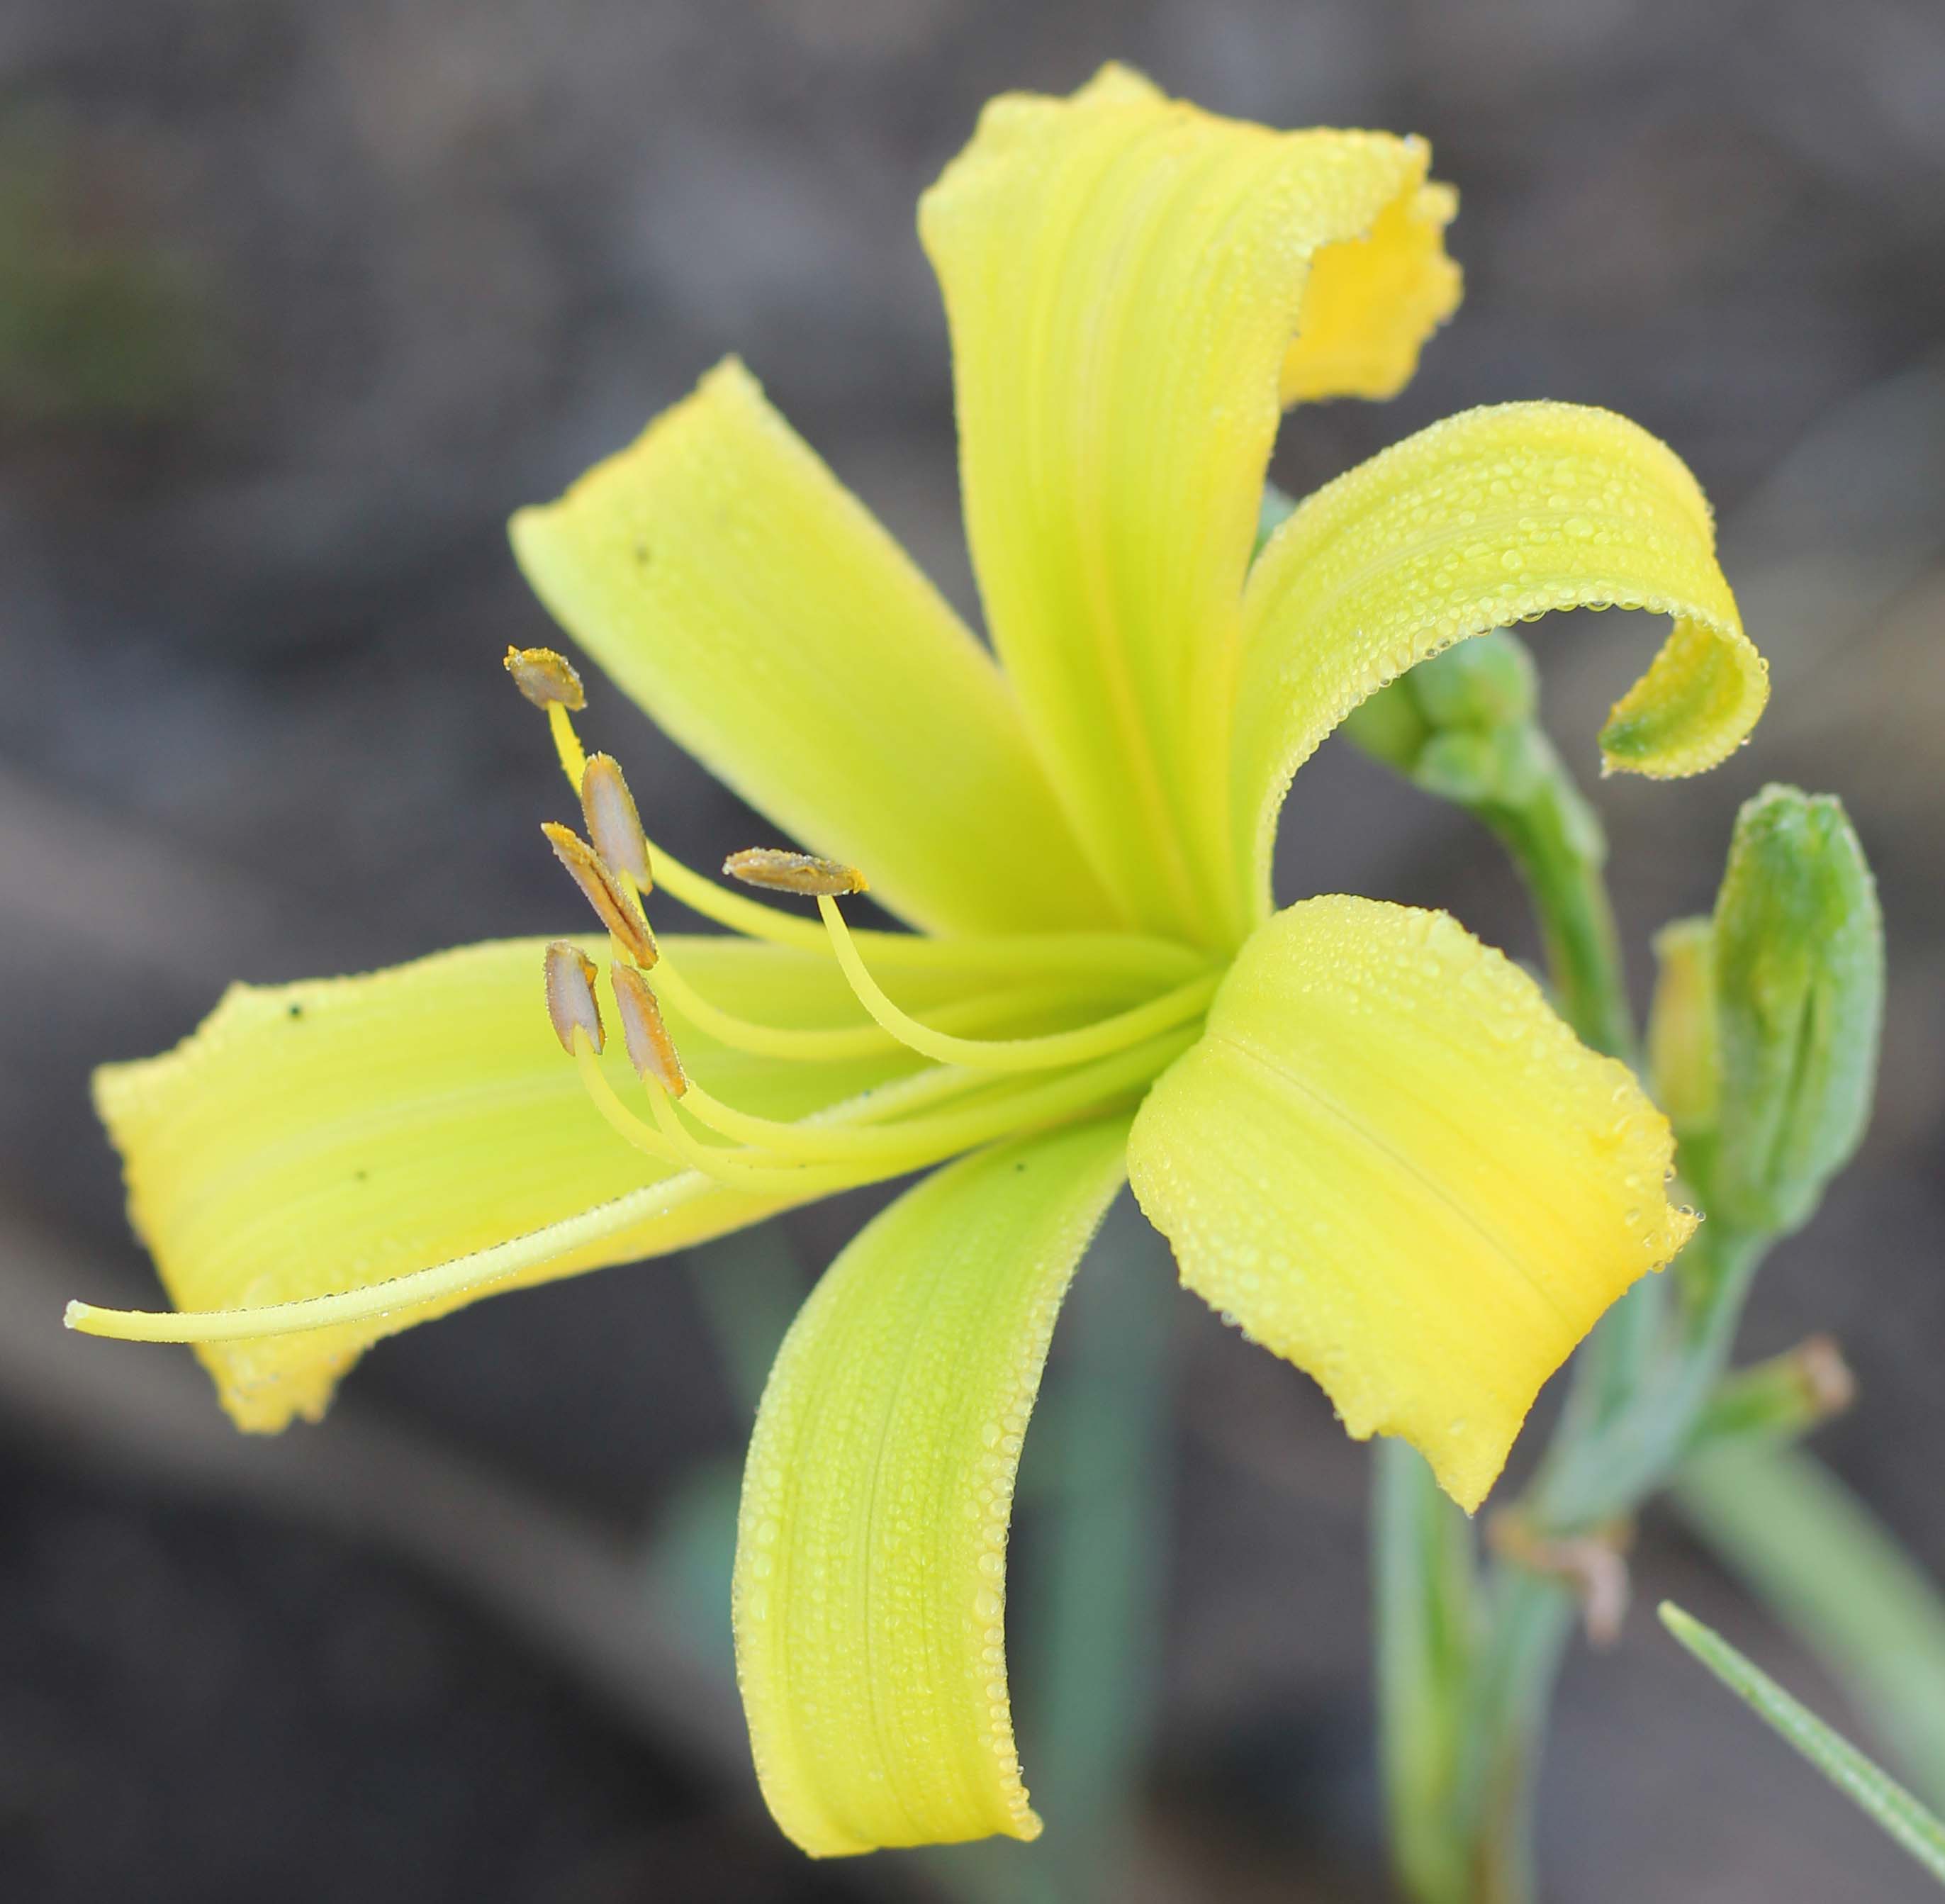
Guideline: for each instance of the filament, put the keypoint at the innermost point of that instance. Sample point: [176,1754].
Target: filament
[567,744]
[822,1043]
[623,1121]
[1044,1053]
[1133,954]
[892,1150]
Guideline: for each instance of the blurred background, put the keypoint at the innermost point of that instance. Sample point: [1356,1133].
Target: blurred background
[298,301]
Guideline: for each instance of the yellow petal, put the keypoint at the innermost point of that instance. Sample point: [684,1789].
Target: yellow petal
[1387,1160]
[1123,274]
[720,572]
[1370,306]
[871,1558]
[1497,515]
[324,1136]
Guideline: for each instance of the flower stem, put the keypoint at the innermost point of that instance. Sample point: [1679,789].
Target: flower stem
[1557,844]
[1637,1388]
[1427,1633]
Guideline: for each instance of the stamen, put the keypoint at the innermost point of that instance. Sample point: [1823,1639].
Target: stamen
[613,825]
[547,679]
[819,1044]
[860,1155]
[650,1050]
[777,870]
[1131,954]
[603,892]
[1094,1087]
[549,682]
[570,996]
[1044,1053]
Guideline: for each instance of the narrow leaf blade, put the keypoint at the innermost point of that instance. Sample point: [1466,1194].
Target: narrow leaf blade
[1895,1810]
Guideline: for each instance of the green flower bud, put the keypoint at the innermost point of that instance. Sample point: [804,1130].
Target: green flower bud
[1461,724]
[1683,1060]
[1488,681]
[1389,727]
[1461,767]
[1799,998]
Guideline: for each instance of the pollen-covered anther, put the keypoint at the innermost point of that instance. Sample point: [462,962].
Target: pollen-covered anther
[571,1002]
[650,1050]
[602,891]
[547,679]
[613,824]
[778,871]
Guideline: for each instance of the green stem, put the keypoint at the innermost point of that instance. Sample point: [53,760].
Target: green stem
[1460,1722]
[1427,1631]
[1556,843]
[1532,1620]
[1639,1386]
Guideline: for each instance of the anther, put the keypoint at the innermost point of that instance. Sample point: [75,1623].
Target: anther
[570,996]
[650,1050]
[777,870]
[613,825]
[546,679]
[602,891]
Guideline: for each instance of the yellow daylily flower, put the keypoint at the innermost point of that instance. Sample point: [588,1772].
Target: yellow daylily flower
[1371,1142]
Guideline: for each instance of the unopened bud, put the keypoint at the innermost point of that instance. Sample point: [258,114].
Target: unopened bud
[1461,724]
[545,678]
[613,825]
[1486,682]
[650,1050]
[779,871]
[1682,1058]
[1389,727]
[1779,1399]
[603,892]
[570,996]
[1799,1002]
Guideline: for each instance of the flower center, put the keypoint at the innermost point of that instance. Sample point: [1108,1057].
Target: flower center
[982,1079]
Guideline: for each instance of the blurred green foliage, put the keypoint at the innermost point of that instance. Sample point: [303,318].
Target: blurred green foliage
[98,324]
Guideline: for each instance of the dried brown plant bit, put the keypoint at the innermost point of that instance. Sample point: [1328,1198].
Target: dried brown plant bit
[1593,1565]
[602,891]
[779,871]
[545,678]
[613,824]
[570,996]
[1828,1384]
[650,1050]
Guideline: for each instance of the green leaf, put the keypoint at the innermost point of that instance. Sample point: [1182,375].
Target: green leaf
[1818,1557]
[1894,1809]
